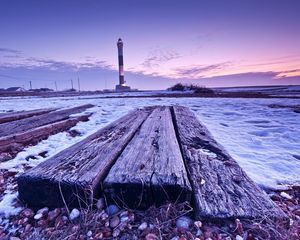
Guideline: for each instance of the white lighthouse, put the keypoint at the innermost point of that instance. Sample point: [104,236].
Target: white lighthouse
[121,87]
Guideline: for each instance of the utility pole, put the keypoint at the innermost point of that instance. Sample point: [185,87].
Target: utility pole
[30,83]
[55,86]
[78,83]
[72,84]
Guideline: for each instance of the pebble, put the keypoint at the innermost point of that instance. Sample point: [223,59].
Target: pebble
[285,195]
[44,211]
[114,221]
[74,214]
[297,212]
[75,228]
[199,233]
[38,216]
[53,214]
[89,233]
[27,228]
[116,233]
[151,236]
[183,222]
[28,213]
[124,218]
[198,224]
[112,209]
[143,226]
[42,223]
[238,237]
[99,235]
[100,204]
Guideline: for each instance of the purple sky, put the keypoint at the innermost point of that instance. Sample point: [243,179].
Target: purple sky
[212,43]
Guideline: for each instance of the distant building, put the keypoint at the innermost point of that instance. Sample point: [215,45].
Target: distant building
[121,87]
[15,89]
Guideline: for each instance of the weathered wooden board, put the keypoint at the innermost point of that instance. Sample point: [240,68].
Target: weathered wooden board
[76,172]
[25,124]
[221,188]
[14,143]
[151,169]
[9,117]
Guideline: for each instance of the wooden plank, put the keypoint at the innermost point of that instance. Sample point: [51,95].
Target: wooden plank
[23,125]
[13,116]
[76,172]
[15,143]
[221,188]
[150,170]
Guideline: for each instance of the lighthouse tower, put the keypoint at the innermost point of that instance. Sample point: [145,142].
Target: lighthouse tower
[121,87]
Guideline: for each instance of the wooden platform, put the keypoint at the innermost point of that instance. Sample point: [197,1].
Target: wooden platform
[149,156]
[21,129]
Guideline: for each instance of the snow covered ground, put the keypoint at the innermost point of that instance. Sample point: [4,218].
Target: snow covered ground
[265,141]
[283,90]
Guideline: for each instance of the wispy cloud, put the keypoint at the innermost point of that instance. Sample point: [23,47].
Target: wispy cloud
[198,71]
[51,64]
[8,50]
[159,56]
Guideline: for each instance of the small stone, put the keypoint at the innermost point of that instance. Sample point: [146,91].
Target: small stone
[28,213]
[100,204]
[65,218]
[44,211]
[82,237]
[297,212]
[107,233]
[28,227]
[75,228]
[124,218]
[275,197]
[285,195]
[116,233]
[151,236]
[112,209]
[198,224]
[143,226]
[42,223]
[183,222]
[74,214]
[89,233]
[199,233]
[38,216]
[238,237]
[14,238]
[53,214]
[124,213]
[114,221]
[99,236]
[104,216]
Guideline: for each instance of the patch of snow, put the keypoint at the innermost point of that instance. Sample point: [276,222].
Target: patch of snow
[7,208]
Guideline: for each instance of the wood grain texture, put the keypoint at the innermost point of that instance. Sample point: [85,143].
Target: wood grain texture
[76,172]
[25,124]
[151,169]
[9,117]
[15,143]
[221,188]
